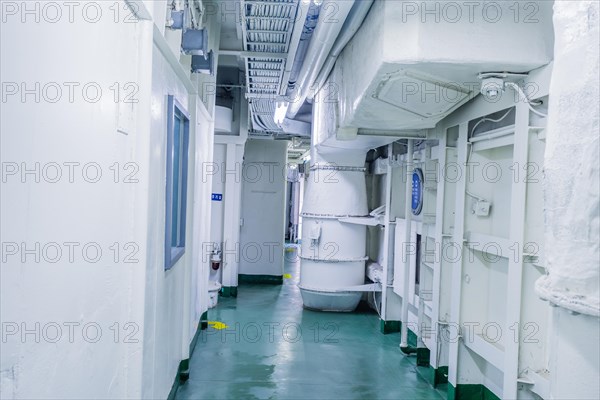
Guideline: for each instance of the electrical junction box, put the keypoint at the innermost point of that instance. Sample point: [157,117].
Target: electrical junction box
[177,20]
[482,208]
[203,64]
[194,42]
[314,234]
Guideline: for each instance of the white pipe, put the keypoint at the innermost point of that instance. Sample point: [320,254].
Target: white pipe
[327,30]
[351,26]
[388,239]
[404,134]
[530,104]
[299,36]
[496,133]
[407,236]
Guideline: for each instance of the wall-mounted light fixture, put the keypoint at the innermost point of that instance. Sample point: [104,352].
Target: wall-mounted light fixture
[494,83]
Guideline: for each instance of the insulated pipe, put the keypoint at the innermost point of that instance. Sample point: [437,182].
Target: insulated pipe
[407,236]
[328,28]
[298,45]
[353,23]
[405,134]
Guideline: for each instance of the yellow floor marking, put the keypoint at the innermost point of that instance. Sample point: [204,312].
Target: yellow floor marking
[287,276]
[217,325]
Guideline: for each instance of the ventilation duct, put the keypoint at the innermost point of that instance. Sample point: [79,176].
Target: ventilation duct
[410,79]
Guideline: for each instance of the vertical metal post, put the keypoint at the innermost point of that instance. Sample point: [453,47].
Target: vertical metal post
[515,261]
[457,238]
[407,236]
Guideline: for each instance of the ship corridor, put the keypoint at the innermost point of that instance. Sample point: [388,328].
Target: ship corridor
[273,348]
[300,199]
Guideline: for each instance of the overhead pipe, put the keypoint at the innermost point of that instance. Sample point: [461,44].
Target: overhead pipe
[299,45]
[405,134]
[351,26]
[328,28]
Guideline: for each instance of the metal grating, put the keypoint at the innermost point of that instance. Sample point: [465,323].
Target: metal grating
[267,27]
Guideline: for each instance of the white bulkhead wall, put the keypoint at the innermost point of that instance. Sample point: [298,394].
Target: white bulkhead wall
[146,316]
[34,210]
[218,187]
[263,182]
[225,171]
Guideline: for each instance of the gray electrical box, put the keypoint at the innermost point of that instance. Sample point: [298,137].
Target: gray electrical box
[176,20]
[203,64]
[194,42]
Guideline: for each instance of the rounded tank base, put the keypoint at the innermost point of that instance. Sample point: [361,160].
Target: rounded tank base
[330,301]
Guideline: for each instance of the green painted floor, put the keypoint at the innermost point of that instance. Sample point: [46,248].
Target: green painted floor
[275,349]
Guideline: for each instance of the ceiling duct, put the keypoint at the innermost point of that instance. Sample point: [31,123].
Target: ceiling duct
[409,79]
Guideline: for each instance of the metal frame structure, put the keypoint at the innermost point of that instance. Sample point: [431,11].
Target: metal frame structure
[267,29]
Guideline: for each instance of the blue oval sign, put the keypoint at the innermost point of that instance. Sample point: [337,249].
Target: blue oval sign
[417,191]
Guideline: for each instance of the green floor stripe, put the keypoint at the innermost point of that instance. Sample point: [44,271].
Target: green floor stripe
[488,394]
[470,392]
[412,338]
[438,376]
[195,338]
[204,320]
[183,374]
[389,326]
[183,371]
[229,291]
[267,279]
[423,354]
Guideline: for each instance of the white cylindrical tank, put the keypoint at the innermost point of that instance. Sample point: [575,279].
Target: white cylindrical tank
[223,119]
[333,253]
